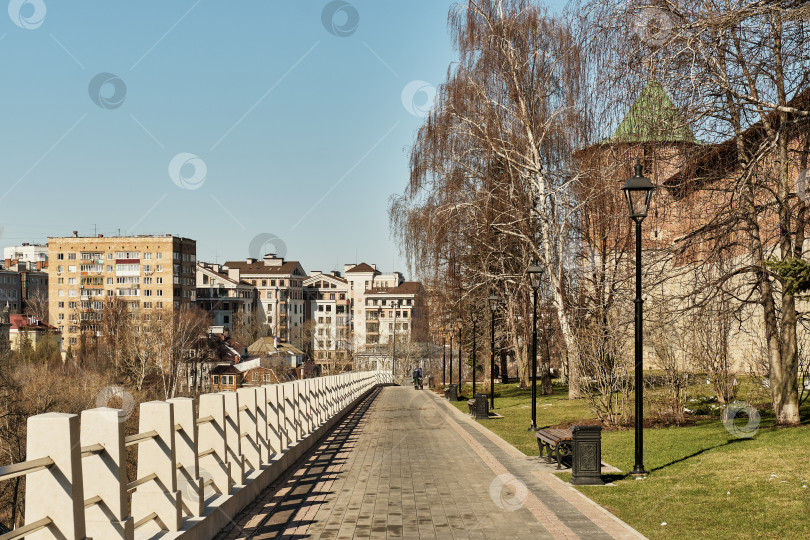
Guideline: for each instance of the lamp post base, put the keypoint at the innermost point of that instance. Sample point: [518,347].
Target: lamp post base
[638,470]
[532,427]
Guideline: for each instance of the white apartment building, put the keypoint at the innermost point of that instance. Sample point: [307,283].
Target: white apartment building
[29,253]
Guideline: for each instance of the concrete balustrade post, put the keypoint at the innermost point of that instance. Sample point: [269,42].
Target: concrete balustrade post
[330,396]
[212,450]
[275,416]
[158,456]
[290,422]
[301,409]
[104,475]
[249,432]
[56,492]
[233,439]
[189,481]
[262,425]
[320,392]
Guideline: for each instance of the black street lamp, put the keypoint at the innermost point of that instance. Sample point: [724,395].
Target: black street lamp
[450,370]
[444,353]
[394,306]
[460,363]
[474,363]
[493,305]
[535,274]
[638,192]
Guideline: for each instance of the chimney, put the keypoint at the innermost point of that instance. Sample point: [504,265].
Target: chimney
[75,234]
[270,259]
[335,273]
[26,244]
[101,236]
[39,265]
[234,274]
[250,260]
[8,263]
[374,266]
[315,273]
[347,267]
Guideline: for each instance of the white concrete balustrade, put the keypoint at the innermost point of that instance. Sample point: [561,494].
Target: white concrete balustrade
[195,469]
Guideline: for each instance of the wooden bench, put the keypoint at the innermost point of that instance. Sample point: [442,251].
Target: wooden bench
[558,443]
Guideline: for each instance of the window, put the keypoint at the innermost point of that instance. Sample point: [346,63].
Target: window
[215,379]
[147,256]
[72,293]
[59,281]
[72,268]
[147,268]
[159,305]
[272,282]
[147,281]
[159,292]
[110,256]
[264,283]
[60,305]
[61,292]
[128,255]
[71,256]
[147,292]
[159,280]
[147,305]
[60,269]
[72,305]
[159,267]
[158,255]
[127,269]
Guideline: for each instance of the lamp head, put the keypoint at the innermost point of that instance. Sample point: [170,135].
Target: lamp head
[638,191]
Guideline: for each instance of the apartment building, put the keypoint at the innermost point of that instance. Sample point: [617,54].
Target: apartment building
[397,309]
[33,285]
[224,294]
[147,272]
[28,253]
[10,290]
[375,299]
[328,314]
[280,286]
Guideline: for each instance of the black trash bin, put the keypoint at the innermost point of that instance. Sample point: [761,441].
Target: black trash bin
[586,465]
[451,392]
[481,406]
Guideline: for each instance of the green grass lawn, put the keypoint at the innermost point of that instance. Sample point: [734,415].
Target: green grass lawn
[703,482]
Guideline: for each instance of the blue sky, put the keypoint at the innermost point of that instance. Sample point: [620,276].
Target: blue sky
[236,124]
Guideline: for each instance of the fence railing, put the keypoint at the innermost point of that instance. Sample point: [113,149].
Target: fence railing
[195,469]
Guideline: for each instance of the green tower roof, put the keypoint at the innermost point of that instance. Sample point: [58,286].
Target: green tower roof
[653,117]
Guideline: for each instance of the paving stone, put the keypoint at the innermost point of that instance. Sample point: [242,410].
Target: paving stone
[401,466]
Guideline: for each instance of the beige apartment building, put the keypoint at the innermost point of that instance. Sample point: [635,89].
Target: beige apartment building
[329,314]
[147,272]
[376,300]
[280,285]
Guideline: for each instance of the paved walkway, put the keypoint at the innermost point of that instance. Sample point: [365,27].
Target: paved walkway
[407,464]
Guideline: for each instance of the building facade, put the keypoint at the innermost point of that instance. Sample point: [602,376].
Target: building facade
[280,286]
[149,273]
[36,254]
[328,319]
[11,290]
[225,295]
